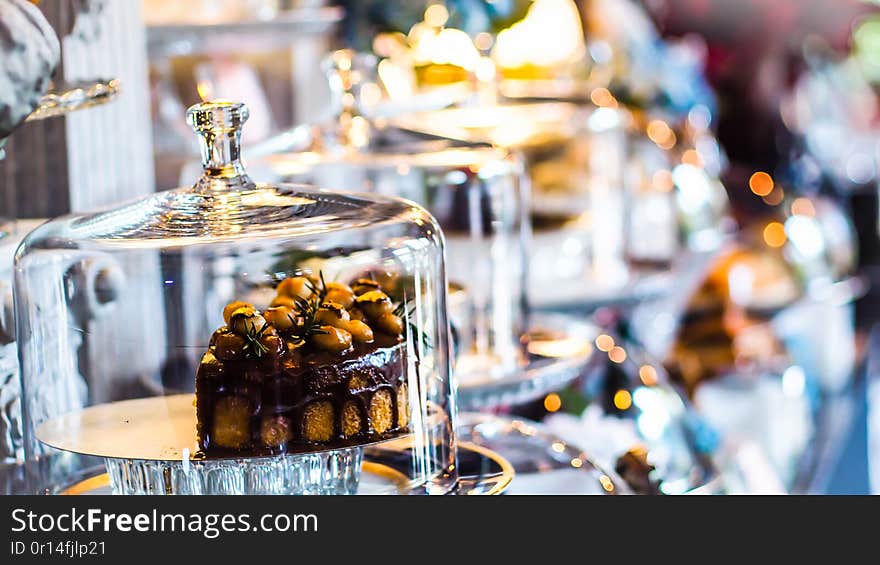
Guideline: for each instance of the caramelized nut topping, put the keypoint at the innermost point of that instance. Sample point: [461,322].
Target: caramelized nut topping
[332,311]
[229,346]
[343,296]
[363,286]
[284,301]
[374,304]
[333,285]
[323,364]
[246,320]
[359,331]
[282,318]
[389,324]
[332,339]
[232,307]
[295,286]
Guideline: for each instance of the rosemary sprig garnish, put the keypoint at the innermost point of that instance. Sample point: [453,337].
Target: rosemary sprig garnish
[308,310]
[406,315]
[400,310]
[253,341]
[320,292]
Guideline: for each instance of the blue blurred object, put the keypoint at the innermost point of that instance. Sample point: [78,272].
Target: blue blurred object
[664,75]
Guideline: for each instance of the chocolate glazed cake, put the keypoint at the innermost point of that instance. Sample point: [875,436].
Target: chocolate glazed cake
[323,367]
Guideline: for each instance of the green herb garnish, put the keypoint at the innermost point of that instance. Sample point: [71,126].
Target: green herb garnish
[253,341]
[308,309]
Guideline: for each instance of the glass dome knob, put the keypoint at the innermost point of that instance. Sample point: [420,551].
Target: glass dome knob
[218,124]
[355,88]
[348,71]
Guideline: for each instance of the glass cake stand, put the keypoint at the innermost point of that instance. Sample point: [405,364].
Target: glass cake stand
[482,472]
[615,212]
[149,446]
[575,159]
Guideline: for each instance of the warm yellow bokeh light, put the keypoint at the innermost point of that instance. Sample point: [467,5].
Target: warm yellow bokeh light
[648,374]
[774,234]
[660,133]
[552,402]
[603,97]
[761,183]
[484,41]
[622,399]
[692,157]
[617,354]
[662,181]
[436,15]
[604,342]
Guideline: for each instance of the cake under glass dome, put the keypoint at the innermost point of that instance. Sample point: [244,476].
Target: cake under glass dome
[236,337]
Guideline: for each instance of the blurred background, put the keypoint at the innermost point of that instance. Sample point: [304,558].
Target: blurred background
[726,153]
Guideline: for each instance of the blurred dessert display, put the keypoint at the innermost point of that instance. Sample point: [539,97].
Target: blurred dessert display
[519,52]
[589,158]
[635,242]
[771,331]
[630,418]
[715,331]
[575,159]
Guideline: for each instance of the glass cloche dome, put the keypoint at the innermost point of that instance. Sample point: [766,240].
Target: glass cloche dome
[575,157]
[237,337]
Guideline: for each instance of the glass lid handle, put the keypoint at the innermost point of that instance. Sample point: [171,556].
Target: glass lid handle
[218,124]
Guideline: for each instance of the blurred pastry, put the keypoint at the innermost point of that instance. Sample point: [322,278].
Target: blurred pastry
[724,322]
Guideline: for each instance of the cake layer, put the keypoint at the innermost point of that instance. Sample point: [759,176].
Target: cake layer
[322,367]
[273,405]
